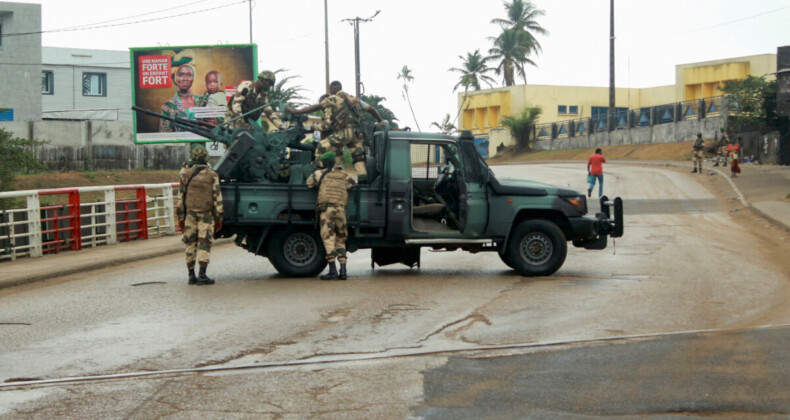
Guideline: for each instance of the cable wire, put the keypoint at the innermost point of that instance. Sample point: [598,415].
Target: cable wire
[125,23]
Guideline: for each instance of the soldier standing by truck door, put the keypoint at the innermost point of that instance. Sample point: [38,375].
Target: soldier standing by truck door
[699,144]
[333,184]
[346,125]
[199,213]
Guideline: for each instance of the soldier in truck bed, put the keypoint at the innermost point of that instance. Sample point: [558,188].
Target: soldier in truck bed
[346,125]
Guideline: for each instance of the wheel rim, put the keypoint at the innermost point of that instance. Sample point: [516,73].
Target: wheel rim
[536,248]
[300,249]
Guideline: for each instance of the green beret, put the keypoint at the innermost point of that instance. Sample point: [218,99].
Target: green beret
[328,156]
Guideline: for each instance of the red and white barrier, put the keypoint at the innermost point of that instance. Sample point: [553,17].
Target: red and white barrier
[29,229]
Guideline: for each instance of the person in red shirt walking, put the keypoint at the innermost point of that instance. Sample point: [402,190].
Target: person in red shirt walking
[595,172]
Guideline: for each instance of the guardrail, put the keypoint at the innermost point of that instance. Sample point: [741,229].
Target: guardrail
[40,222]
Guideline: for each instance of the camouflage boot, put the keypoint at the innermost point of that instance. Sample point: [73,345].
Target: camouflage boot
[342,275]
[332,274]
[694,171]
[203,279]
[192,278]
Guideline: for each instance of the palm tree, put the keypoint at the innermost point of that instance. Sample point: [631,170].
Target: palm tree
[522,17]
[291,96]
[522,125]
[510,49]
[473,71]
[405,75]
[376,102]
[446,126]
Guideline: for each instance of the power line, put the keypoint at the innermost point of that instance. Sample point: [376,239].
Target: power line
[128,17]
[736,20]
[126,23]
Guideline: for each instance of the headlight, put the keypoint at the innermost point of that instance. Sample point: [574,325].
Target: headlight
[579,202]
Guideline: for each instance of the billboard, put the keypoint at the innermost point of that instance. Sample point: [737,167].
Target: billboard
[192,82]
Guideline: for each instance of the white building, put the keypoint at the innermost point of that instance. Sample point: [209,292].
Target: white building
[20,61]
[80,84]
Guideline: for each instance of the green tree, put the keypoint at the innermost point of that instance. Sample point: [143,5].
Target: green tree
[474,69]
[522,125]
[17,158]
[405,75]
[446,126]
[376,102]
[522,18]
[510,50]
[747,97]
[284,90]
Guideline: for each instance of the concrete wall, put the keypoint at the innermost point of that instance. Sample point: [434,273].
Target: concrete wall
[20,72]
[659,133]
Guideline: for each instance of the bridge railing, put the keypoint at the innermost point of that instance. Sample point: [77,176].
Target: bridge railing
[38,222]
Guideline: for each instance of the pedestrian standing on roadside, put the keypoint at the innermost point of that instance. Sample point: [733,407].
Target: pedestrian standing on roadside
[199,212]
[699,144]
[595,169]
[721,154]
[733,151]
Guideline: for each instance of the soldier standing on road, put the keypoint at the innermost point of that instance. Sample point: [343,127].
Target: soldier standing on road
[346,115]
[721,155]
[699,144]
[333,184]
[199,212]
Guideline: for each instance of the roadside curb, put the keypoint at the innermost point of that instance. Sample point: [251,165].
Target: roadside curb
[96,265]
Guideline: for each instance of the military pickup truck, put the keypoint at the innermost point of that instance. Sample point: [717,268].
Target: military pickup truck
[423,190]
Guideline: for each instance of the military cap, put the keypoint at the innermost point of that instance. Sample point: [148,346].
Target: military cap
[199,154]
[267,75]
[699,134]
[328,156]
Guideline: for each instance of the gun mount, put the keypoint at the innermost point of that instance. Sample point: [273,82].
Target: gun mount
[254,155]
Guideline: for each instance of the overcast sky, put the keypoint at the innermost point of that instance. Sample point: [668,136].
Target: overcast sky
[429,35]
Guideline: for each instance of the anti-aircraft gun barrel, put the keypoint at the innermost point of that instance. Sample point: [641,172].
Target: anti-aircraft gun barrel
[200,128]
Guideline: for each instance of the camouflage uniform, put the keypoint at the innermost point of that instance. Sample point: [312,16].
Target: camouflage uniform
[200,212]
[721,156]
[699,145]
[234,107]
[333,184]
[346,116]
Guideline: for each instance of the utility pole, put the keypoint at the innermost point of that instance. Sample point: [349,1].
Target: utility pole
[250,2]
[326,42]
[611,123]
[355,22]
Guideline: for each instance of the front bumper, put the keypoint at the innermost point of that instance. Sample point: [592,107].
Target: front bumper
[592,232]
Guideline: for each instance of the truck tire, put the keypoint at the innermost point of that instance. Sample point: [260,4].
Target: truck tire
[536,248]
[297,252]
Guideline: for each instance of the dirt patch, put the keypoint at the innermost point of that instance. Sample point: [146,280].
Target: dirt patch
[661,151]
[48,180]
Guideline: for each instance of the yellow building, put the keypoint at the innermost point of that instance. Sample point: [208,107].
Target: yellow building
[483,110]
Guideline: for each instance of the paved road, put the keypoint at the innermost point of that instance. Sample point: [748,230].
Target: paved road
[685,314]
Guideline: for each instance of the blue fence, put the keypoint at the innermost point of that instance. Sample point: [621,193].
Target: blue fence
[642,117]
